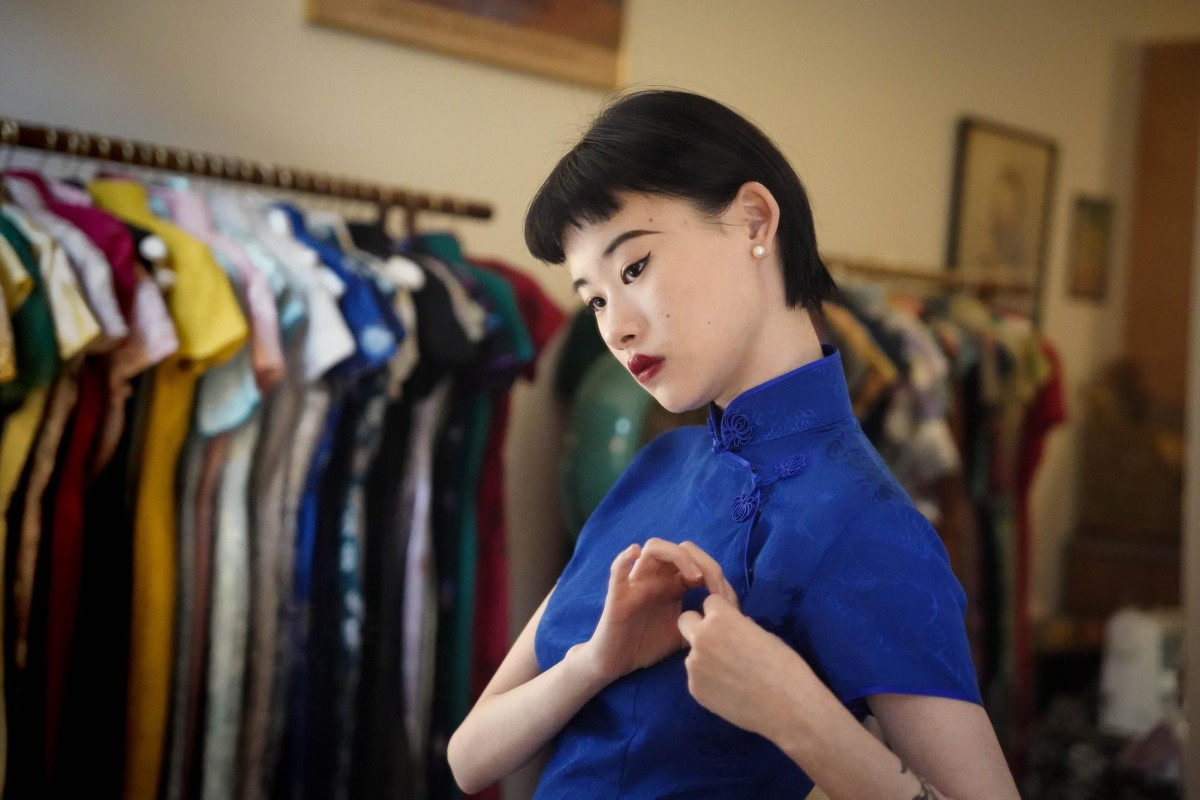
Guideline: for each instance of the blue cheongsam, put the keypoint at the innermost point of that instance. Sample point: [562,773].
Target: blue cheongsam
[823,548]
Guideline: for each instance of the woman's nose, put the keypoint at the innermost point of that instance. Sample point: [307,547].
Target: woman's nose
[621,327]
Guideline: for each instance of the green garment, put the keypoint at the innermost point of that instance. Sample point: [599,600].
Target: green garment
[33,331]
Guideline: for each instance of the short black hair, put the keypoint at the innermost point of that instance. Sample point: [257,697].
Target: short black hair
[683,145]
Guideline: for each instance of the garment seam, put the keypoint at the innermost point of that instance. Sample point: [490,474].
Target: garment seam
[633,718]
[836,539]
[863,694]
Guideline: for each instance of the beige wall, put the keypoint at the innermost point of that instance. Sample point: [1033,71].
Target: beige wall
[1191,527]
[863,96]
[1191,557]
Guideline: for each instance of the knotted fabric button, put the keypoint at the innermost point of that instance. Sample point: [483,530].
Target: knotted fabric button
[791,466]
[736,430]
[744,506]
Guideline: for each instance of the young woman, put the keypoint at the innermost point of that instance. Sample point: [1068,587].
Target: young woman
[745,595]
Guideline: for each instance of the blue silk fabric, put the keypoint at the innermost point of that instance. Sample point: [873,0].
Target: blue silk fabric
[823,548]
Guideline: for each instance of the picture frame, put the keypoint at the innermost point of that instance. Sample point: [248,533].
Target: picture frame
[1001,205]
[578,41]
[1090,248]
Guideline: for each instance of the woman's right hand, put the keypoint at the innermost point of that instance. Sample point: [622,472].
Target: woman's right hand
[524,707]
[640,622]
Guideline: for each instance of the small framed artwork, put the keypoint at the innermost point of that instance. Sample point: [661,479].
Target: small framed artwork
[1091,244]
[571,40]
[1001,203]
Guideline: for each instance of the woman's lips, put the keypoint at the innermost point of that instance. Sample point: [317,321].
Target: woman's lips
[644,368]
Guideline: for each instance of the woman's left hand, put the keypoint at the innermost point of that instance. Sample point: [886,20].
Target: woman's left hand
[739,671]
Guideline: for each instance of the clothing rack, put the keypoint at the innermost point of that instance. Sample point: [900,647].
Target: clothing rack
[119,150]
[985,286]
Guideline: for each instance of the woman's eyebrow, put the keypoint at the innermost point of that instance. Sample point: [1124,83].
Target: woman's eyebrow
[612,246]
[622,238]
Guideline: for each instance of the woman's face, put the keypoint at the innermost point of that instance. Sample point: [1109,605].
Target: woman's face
[679,298]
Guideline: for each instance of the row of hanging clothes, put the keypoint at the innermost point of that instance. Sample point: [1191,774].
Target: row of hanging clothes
[252,484]
[958,394]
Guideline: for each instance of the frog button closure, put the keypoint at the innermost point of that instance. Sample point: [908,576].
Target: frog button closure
[736,430]
[745,505]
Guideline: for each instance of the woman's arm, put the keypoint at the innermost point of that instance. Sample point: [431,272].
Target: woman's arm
[944,748]
[519,712]
[950,742]
[522,708]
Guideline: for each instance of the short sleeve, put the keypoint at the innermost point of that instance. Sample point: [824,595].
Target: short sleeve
[884,613]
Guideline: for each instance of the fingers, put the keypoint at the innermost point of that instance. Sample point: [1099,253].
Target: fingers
[622,564]
[714,576]
[695,566]
[715,607]
[659,551]
[689,623]
[716,604]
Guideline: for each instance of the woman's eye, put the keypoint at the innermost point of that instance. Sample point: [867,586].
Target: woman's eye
[631,272]
[595,304]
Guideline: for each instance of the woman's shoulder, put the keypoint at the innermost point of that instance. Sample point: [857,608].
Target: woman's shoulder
[847,498]
[837,470]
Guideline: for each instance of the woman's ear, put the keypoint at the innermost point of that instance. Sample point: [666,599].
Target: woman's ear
[755,207]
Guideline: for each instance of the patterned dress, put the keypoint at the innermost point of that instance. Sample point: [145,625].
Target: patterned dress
[823,548]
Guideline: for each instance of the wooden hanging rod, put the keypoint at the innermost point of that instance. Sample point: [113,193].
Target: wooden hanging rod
[944,279]
[14,133]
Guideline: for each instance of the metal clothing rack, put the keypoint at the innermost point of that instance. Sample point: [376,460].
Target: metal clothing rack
[119,150]
[985,286]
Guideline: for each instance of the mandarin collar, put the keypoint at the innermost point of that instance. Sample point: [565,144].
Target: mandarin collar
[809,397]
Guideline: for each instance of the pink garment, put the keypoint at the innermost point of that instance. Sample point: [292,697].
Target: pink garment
[92,270]
[70,194]
[107,233]
[266,352]
[152,334]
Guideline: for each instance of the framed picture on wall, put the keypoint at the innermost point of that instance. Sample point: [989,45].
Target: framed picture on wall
[571,40]
[1001,202]
[1091,245]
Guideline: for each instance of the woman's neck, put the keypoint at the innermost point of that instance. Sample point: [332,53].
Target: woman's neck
[788,341]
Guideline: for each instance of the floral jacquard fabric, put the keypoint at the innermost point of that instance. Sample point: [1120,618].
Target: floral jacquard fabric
[823,548]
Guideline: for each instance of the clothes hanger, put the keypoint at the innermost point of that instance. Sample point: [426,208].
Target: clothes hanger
[333,219]
[83,168]
[10,134]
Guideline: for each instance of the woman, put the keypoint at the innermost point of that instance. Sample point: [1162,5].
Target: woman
[745,595]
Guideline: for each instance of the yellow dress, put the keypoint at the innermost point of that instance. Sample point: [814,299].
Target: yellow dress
[211,328]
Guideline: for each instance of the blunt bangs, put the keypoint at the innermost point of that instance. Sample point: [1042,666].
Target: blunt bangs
[681,145]
[579,191]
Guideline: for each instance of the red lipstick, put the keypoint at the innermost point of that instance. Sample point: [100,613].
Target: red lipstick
[645,368]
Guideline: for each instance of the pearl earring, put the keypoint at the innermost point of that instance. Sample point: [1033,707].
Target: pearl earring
[758,251]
